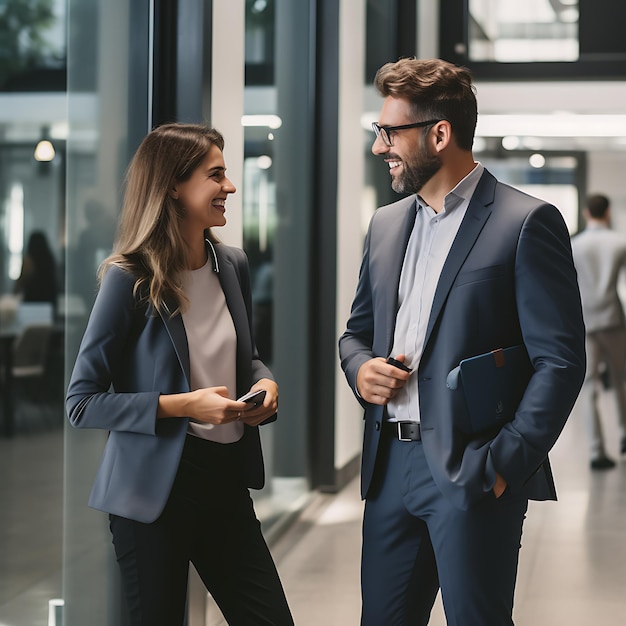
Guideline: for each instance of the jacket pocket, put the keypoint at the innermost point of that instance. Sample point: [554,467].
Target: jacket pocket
[482,273]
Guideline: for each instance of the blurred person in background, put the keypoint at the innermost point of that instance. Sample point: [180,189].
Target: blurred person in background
[37,281]
[600,259]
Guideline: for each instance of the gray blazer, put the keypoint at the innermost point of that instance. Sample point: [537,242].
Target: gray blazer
[600,257]
[508,279]
[129,355]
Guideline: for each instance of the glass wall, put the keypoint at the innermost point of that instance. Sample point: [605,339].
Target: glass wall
[536,30]
[536,39]
[385,21]
[81,91]
[33,163]
[276,232]
[108,61]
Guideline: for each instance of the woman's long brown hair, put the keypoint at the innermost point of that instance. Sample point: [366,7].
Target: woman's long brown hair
[149,243]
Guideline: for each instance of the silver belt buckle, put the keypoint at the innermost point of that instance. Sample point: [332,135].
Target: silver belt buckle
[400,437]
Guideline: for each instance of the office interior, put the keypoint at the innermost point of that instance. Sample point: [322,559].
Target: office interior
[289,83]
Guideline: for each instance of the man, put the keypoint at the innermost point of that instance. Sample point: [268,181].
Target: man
[463,266]
[600,257]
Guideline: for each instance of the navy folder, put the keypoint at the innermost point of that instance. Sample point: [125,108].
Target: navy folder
[493,385]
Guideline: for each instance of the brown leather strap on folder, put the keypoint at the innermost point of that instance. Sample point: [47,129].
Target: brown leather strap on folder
[498,357]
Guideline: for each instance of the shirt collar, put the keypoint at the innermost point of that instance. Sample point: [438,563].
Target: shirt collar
[463,191]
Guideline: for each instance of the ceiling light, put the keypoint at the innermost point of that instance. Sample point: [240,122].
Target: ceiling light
[271,121]
[44,151]
[511,142]
[264,162]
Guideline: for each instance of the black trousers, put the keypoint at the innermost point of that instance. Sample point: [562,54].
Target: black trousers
[209,521]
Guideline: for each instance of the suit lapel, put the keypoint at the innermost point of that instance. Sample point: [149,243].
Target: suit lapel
[176,330]
[477,214]
[230,280]
[401,235]
[232,292]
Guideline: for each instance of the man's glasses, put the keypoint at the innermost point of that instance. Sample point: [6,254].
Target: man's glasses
[384,132]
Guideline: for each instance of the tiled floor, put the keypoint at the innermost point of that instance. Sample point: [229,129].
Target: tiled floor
[572,568]
[31,496]
[572,565]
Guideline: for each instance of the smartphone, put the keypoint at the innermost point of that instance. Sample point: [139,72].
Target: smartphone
[255,398]
[399,364]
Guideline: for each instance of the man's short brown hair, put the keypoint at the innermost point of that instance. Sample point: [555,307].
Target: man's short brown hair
[597,205]
[436,89]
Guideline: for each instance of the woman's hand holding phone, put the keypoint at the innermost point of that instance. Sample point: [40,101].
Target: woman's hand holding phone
[261,401]
[253,398]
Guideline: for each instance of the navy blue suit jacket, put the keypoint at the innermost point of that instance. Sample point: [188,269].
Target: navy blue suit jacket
[508,279]
[129,355]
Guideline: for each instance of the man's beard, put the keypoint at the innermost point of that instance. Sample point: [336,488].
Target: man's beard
[416,173]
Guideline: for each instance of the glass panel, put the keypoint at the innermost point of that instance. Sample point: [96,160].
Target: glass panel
[514,31]
[108,115]
[32,249]
[259,232]
[275,233]
[381,36]
[260,42]
[32,40]
[381,42]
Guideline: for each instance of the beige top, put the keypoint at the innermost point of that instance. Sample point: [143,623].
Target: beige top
[212,346]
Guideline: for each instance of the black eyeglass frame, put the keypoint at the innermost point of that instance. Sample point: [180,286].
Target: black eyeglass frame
[386,137]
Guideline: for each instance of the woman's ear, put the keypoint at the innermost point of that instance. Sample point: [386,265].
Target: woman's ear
[173,192]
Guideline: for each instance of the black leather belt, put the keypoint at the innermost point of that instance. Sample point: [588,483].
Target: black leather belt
[404,431]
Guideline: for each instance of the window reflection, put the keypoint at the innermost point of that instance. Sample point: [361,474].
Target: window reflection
[259,214]
[275,226]
[32,259]
[260,42]
[259,187]
[513,31]
[33,45]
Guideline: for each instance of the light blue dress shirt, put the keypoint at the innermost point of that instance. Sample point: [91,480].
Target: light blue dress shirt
[426,253]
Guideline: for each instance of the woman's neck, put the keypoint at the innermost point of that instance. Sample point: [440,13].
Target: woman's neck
[197,256]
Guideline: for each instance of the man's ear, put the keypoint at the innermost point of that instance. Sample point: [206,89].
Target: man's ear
[442,135]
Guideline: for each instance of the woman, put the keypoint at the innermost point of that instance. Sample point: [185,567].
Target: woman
[167,348]
[37,281]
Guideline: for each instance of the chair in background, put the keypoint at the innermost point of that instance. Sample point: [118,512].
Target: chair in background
[28,313]
[31,371]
